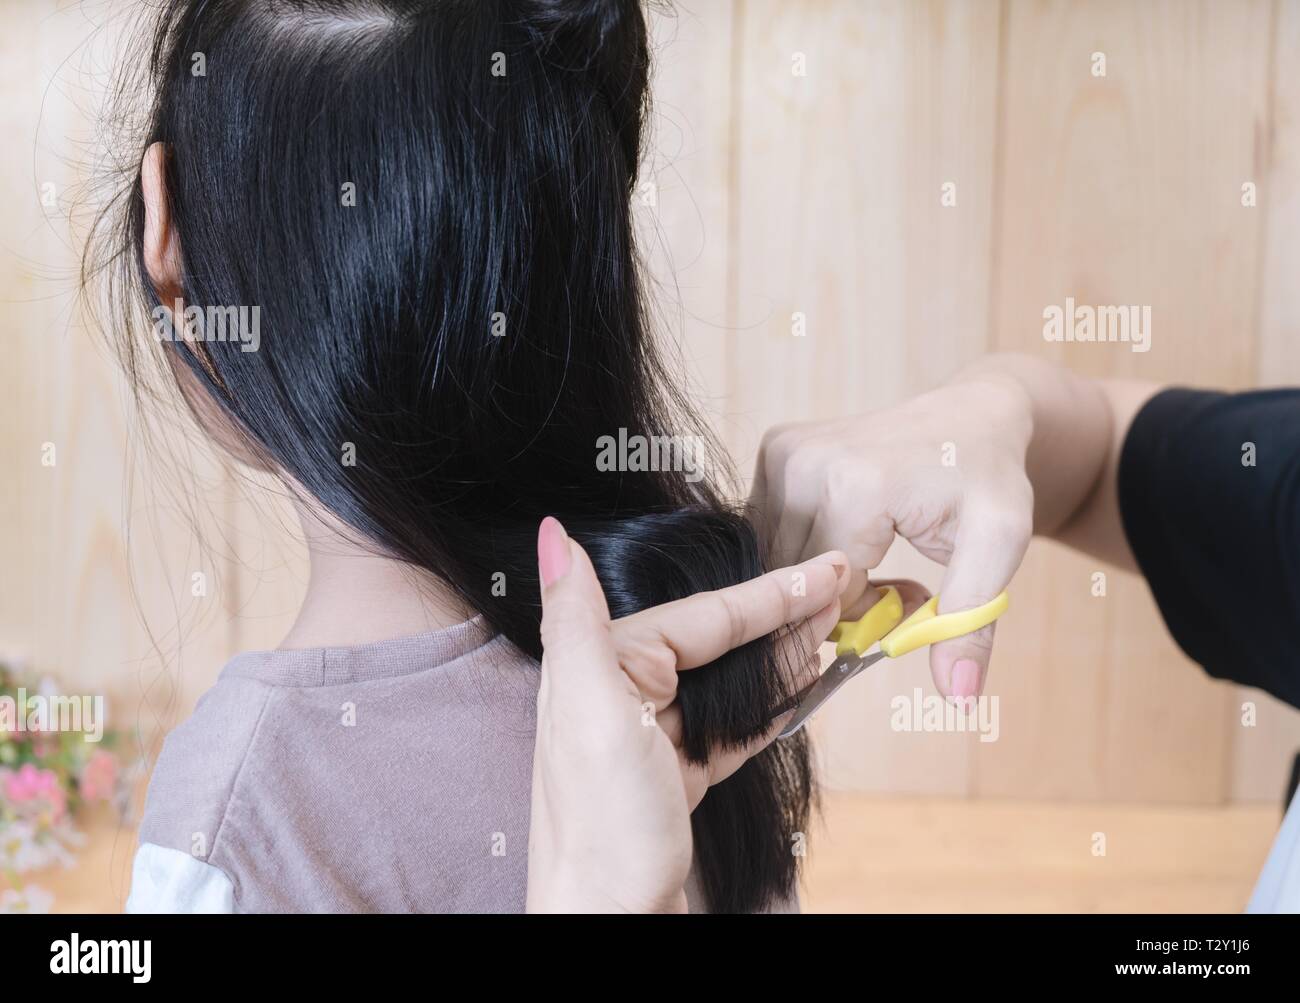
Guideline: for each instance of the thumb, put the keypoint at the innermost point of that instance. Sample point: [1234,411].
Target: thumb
[576,641]
[985,556]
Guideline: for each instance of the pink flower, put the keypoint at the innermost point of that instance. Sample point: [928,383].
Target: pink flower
[99,777]
[27,784]
[24,784]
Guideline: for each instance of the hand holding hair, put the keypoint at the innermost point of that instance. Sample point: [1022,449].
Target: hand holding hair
[612,791]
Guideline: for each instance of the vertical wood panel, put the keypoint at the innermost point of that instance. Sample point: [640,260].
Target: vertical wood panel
[1122,190]
[1262,755]
[99,608]
[1278,177]
[840,219]
[688,161]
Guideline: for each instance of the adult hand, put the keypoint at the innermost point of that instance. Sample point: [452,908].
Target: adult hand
[612,793]
[946,471]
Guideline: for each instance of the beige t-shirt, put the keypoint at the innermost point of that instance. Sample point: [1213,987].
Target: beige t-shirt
[388,777]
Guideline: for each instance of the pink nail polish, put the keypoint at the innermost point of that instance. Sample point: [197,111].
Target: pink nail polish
[965,678]
[552,551]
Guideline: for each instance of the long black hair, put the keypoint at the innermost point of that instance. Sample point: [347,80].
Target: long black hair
[428,201]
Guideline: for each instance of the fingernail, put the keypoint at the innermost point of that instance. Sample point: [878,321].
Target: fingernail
[552,551]
[965,678]
[836,561]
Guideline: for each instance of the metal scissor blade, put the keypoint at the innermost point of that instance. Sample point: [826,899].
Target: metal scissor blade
[826,685]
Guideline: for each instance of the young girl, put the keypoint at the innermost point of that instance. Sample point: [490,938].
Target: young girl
[427,201]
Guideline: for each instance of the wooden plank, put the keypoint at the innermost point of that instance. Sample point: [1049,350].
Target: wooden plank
[874,854]
[683,203]
[1262,754]
[929,855]
[840,220]
[1277,175]
[97,590]
[1122,189]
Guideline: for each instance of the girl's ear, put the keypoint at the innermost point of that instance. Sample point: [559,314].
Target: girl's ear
[162,260]
[162,249]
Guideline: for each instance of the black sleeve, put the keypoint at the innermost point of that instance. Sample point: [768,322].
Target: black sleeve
[1209,490]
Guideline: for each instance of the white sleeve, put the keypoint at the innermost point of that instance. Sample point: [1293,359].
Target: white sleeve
[1278,888]
[164,880]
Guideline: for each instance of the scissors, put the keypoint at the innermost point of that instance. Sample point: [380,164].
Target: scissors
[884,623]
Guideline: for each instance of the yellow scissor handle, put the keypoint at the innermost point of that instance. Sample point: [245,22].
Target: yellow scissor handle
[925,626]
[857,636]
[928,626]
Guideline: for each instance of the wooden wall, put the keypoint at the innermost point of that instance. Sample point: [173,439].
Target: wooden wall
[773,192]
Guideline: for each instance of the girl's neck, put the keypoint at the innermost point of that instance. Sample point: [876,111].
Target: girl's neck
[355,596]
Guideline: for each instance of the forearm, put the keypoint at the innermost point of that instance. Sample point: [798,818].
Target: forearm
[1097,528]
[1079,425]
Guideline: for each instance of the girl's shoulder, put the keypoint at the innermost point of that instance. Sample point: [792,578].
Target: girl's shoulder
[309,748]
[196,771]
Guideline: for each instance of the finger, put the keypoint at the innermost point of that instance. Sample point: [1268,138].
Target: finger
[806,662]
[723,762]
[579,650]
[703,627]
[987,550]
[759,507]
[790,539]
[865,545]
[780,523]
[792,489]
[794,521]
[697,778]
[670,722]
